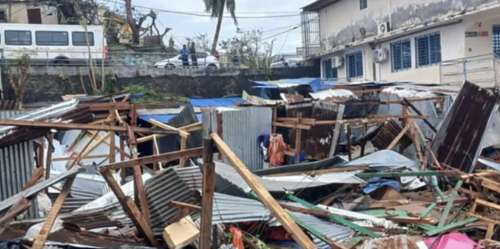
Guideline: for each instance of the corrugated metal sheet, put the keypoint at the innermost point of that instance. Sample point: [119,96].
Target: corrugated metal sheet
[230,182]
[232,209]
[240,130]
[327,229]
[16,166]
[162,189]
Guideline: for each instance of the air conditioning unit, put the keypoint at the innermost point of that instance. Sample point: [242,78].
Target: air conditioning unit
[384,28]
[381,55]
[337,61]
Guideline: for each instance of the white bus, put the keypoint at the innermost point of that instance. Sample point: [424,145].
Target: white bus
[58,44]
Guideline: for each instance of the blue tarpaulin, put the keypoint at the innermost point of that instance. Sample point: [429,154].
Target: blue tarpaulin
[315,83]
[216,102]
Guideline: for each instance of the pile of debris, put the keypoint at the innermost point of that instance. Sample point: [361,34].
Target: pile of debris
[360,166]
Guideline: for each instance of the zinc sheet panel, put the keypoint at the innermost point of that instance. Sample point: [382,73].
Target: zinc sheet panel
[327,229]
[16,166]
[241,129]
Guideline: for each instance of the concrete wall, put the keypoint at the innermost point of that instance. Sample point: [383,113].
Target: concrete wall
[482,25]
[18,12]
[50,83]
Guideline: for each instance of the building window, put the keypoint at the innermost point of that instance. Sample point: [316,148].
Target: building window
[401,55]
[354,65]
[363,4]
[3,16]
[80,39]
[52,38]
[328,71]
[428,49]
[17,37]
[496,40]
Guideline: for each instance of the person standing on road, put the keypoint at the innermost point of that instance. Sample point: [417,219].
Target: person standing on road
[192,52]
[184,56]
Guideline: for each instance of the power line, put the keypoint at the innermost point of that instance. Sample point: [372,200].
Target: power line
[201,14]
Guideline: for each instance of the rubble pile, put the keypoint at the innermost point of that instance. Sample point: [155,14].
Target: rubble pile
[288,165]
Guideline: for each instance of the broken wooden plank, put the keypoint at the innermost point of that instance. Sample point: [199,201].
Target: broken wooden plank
[167,127]
[53,213]
[165,157]
[207,195]
[336,130]
[13,212]
[138,183]
[335,218]
[130,208]
[398,137]
[286,221]
[77,126]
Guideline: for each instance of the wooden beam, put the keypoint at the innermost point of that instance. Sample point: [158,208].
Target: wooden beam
[165,157]
[398,137]
[336,131]
[184,146]
[286,221]
[101,107]
[298,140]
[58,203]
[13,212]
[37,175]
[168,127]
[192,127]
[138,183]
[77,126]
[53,213]
[178,204]
[48,162]
[130,208]
[292,126]
[208,194]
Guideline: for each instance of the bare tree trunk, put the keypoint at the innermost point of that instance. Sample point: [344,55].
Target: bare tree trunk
[219,25]
[131,21]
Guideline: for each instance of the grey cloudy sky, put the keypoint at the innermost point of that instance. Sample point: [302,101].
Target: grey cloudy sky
[188,26]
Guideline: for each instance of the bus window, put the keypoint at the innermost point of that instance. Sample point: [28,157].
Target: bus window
[79,39]
[17,37]
[52,38]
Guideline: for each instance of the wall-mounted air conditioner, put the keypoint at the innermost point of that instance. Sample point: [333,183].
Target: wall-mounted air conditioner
[384,28]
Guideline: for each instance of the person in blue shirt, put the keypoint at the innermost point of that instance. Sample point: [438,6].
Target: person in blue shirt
[184,56]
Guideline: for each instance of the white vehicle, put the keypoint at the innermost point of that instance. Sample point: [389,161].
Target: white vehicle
[205,60]
[284,61]
[60,44]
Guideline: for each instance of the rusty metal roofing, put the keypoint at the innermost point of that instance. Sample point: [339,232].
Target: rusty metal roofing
[458,141]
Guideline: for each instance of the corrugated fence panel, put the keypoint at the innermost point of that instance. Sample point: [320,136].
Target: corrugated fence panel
[16,166]
[242,128]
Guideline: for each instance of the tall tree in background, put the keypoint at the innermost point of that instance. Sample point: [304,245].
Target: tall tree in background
[216,8]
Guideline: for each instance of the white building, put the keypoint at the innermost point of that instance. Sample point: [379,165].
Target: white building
[424,41]
[34,12]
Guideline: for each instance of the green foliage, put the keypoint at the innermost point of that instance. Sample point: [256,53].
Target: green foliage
[151,96]
[249,49]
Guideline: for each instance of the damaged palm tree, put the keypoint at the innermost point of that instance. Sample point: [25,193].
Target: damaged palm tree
[216,8]
[19,75]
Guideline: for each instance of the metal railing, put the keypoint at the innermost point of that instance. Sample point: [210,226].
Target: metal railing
[483,70]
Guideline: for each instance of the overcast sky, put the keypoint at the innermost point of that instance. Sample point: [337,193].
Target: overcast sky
[188,26]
